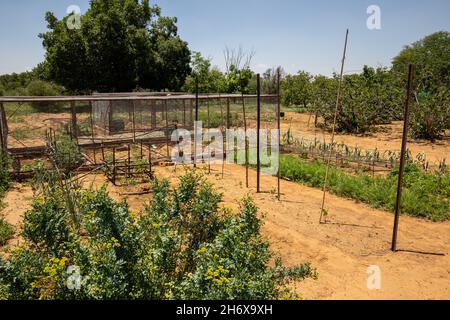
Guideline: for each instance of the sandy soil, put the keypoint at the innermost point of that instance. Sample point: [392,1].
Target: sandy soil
[387,137]
[355,237]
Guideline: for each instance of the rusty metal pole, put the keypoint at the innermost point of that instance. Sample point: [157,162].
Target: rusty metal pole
[2,128]
[209,145]
[258,129]
[195,123]
[228,113]
[279,133]
[129,162]
[167,131]
[184,113]
[114,166]
[245,137]
[402,158]
[224,133]
[134,121]
[74,120]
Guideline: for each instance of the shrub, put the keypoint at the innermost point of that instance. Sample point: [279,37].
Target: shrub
[67,155]
[6,231]
[430,117]
[43,88]
[4,172]
[182,246]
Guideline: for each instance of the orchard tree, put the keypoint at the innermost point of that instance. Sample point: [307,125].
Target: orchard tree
[297,89]
[430,115]
[119,45]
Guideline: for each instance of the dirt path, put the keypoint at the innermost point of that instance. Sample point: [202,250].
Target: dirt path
[387,139]
[355,238]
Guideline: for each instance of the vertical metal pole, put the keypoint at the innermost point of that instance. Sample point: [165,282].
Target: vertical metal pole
[279,133]
[258,130]
[92,133]
[209,145]
[74,120]
[92,123]
[195,123]
[167,129]
[228,113]
[3,130]
[246,138]
[224,133]
[153,111]
[134,121]
[129,162]
[110,116]
[184,113]
[114,166]
[402,158]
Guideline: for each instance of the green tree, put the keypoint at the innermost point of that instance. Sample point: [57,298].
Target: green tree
[120,45]
[210,79]
[430,56]
[370,98]
[269,84]
[297,89]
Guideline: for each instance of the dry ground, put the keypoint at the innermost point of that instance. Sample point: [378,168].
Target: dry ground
[342,250]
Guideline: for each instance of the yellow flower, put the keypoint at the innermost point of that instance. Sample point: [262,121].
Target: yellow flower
[202,250]
[63,261]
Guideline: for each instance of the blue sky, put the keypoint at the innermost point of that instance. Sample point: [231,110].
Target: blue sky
[296,34]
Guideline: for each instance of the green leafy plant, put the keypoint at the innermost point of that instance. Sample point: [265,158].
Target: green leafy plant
[424,195]
[6,231]
[182,246]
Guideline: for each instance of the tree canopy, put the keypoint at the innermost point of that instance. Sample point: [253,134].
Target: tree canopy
[120,45]
[431,106]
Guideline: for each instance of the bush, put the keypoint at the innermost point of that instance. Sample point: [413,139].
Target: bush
[6,231]
[67,155]
[43,89]
[431,116]
[4,172]
[182,246]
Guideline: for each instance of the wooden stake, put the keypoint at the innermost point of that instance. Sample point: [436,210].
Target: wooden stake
[334,127]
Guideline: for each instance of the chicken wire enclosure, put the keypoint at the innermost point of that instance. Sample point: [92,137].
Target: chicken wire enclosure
[141,115]
[99,120]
